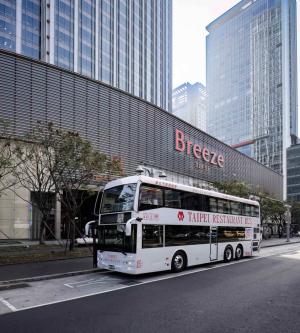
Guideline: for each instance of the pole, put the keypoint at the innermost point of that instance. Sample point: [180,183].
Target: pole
[288,222]
[94,231]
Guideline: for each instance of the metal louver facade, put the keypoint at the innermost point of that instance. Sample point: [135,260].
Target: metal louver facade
[116,123]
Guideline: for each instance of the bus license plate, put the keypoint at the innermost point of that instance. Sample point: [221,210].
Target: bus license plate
[111,267]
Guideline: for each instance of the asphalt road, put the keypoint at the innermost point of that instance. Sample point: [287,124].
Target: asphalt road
[251,296]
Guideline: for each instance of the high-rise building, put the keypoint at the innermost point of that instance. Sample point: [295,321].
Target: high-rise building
[293,173]
[125,43]
[251,79]
[189,104]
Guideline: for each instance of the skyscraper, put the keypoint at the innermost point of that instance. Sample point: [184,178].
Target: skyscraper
[251,79]
[293,173]
[189,104]
[125,43]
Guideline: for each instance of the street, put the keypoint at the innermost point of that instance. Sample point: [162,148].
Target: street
[258,294]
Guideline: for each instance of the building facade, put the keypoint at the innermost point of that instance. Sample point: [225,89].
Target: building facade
[189,103]
[252,79]
[124,43]
[293,173]
[118,124]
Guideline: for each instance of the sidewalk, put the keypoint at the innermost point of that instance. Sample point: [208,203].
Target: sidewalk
[75,266]
[27,259]
[46,269]
[278,241]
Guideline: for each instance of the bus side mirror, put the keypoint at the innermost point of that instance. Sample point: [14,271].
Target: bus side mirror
[128,225]
[128,228]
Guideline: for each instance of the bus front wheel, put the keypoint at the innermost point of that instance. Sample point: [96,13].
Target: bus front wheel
[228,254]
[179,261]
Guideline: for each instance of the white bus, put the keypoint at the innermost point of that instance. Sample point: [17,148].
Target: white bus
[148,224]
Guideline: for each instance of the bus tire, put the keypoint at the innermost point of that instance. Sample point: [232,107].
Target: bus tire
[179,261]
[239,252]
[228,253]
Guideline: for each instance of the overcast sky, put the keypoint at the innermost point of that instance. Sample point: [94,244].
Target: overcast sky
[190,17]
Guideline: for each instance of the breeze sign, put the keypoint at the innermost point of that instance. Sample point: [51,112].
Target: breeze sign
[188,147]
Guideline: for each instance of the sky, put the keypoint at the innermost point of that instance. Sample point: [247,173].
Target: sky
[190,17]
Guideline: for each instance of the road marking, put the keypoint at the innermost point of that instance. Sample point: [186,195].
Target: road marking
[10,306]
[85,283]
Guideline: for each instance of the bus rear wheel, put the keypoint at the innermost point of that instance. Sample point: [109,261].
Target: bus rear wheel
[228,254]
[239,252]
[178,262]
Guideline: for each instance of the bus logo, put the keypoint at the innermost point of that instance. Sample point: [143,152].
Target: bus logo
[180,216]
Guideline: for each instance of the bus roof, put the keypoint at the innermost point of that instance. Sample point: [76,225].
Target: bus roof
[177,186]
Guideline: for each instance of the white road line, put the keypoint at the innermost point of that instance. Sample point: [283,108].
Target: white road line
[68,285]
[10,306]
[90,282]
[73,284]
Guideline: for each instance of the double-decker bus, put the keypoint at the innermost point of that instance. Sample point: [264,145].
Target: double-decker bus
[148,224]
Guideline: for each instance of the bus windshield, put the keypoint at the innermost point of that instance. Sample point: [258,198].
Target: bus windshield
[113,238]
[118,199]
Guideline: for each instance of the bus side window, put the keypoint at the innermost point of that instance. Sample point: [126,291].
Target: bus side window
[205,203]
[191,201]
[172,199]
[246,210]
[254,211]
[213,205]
[150,197]
[152,236]
[223,206]
[236,208]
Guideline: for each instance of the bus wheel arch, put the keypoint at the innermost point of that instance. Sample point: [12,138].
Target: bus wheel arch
[239,252]
[228,253]
[179,261]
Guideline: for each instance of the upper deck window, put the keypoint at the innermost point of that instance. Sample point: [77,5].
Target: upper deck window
[150,197]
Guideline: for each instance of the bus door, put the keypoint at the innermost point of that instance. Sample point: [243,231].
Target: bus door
[213,243]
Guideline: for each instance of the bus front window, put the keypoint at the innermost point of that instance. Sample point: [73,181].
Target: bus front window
[118,199]
[113,238]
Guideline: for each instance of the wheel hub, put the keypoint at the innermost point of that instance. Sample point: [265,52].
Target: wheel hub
[178,261]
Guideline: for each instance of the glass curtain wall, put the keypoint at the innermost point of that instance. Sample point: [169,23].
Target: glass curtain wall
[31,28]
[64,32]
[8,25]
[87,37]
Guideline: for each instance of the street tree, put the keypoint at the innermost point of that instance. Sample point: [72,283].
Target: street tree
[55,162]
[74,164]
[272,211]
[33,172]
[295,215]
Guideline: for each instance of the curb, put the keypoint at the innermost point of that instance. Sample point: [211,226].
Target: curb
[47,277]
[280,244]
